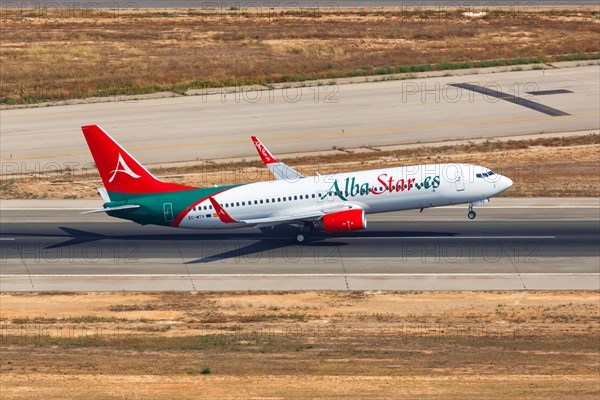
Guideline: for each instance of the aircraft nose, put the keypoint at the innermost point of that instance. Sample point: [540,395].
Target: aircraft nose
[506,182]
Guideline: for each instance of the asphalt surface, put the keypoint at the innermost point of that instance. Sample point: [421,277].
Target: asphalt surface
[303,120]
[440,250]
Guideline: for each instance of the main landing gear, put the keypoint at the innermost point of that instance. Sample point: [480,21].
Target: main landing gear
[306,229]
[472,214]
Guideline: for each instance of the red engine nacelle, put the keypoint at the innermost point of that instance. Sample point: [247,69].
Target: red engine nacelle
[344,221]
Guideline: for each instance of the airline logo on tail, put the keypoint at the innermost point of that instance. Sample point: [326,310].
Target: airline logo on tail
[124,168]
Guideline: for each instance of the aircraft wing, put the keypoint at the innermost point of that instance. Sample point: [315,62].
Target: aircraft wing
[283,219]
[277,168]
[302,216]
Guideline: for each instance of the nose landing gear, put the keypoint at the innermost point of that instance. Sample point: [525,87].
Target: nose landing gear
[471,214]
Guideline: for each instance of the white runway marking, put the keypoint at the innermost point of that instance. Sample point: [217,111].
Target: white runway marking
[447,237]
[366,275]
[7,239]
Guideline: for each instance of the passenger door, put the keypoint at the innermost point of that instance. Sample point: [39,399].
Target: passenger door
[168,212]
[460,182]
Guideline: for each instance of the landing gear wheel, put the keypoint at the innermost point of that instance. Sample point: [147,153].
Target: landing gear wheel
[308,228]
[300,238]
[472,214]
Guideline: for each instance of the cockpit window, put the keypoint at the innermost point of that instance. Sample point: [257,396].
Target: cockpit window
[485,174]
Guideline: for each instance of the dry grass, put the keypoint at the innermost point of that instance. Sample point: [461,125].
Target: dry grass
[452,345]
[549,167]
[49,56]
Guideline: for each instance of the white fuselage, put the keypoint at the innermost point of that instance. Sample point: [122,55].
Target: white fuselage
[375,191]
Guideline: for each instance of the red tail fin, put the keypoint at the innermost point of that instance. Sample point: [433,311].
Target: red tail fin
[121,172]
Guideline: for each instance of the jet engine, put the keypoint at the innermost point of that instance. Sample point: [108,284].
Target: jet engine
[344,221]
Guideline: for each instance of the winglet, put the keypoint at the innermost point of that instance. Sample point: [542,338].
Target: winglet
[223,216]
[266,156]
[277,168]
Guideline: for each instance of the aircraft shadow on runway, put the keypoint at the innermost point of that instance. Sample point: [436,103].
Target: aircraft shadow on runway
[269,240]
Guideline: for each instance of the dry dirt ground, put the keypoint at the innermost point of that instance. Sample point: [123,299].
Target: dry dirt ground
[547,167]
[309,345]
[63,54]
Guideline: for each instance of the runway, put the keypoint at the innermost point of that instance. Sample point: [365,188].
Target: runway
[516,245]
[291,121]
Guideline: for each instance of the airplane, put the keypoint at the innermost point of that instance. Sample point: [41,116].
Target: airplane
[329,203]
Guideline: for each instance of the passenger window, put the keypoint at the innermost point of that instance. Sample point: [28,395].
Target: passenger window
[210,207]
[267,200]
[261,202]
[237,204]
[295,197]
[300,197]
[313,196]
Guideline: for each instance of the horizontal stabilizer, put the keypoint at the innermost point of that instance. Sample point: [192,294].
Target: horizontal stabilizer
[109,209]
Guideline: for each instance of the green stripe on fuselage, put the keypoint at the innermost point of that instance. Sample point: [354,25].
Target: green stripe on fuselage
[152,206]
